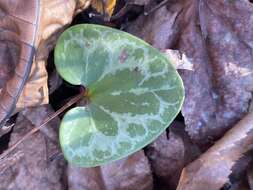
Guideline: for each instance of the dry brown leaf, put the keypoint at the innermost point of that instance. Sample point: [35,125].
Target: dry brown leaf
[54,17]
[217,37]
[35,91]
[109,6]
[213,168]
[126,174]
[32,168]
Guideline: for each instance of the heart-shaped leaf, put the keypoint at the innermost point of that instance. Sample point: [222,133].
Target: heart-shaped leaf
[133,94]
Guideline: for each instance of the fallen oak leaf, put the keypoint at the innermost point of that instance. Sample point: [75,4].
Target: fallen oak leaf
[213,168]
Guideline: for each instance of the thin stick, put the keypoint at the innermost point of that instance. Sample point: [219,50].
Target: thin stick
[50,118]
[163,3]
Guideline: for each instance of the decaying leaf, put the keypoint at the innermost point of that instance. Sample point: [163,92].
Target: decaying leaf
[32,168]
[217,37]
[213,168]
[129,173]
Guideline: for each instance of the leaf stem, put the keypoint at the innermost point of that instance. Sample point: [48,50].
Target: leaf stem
[47,120]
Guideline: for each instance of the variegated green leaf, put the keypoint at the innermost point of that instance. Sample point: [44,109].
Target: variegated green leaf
[134,93]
